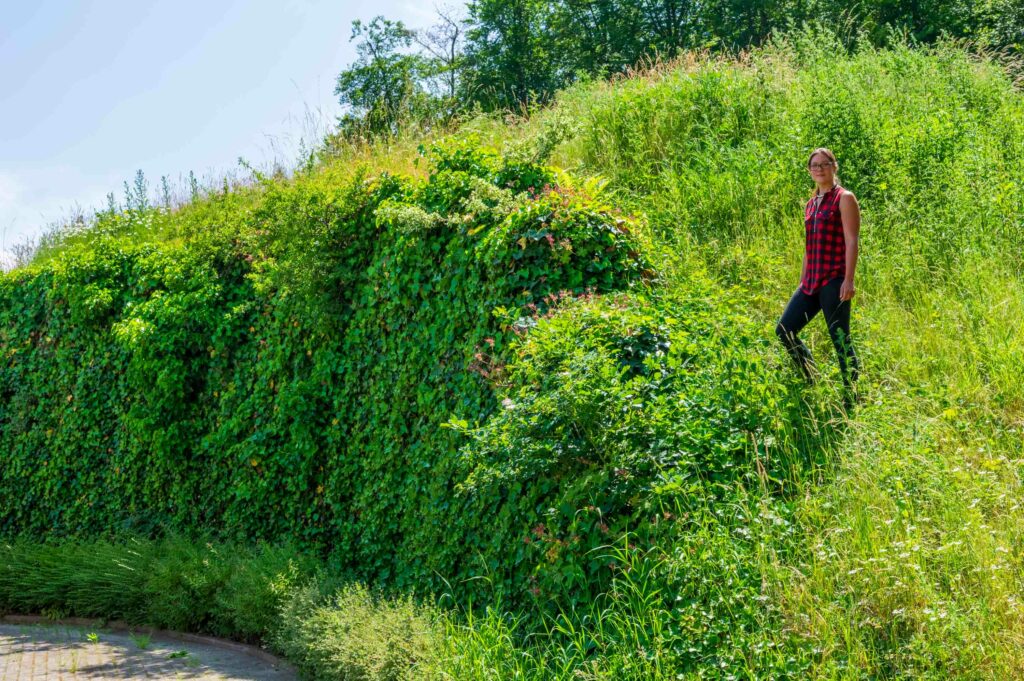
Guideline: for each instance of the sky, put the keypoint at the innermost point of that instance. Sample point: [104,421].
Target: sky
[92,91]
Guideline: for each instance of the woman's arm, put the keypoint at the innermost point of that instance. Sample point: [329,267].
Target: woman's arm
[803,263]
[849,209]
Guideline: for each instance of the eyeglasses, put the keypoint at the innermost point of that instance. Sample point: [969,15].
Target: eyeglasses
[819,166]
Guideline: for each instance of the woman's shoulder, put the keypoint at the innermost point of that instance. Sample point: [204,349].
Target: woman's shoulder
[848,205]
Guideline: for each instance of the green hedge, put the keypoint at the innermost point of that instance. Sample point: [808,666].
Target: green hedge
[282,369]
[422,380]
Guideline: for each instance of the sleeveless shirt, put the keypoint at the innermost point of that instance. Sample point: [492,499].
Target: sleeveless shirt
[825,244]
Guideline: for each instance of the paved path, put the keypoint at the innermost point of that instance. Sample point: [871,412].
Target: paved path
[52,652]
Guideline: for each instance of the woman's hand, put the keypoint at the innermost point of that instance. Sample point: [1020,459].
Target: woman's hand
[846,291]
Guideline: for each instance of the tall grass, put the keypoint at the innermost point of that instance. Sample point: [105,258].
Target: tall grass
[911,561]
[173,583]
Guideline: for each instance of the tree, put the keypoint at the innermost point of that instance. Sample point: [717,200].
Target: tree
[509,53]
[384,85]
[671,24]
[598,37]
[443,43]
[1003,22]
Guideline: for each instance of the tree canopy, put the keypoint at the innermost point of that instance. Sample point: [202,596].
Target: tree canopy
[510,54]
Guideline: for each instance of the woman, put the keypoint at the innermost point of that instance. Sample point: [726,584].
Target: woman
[832,229]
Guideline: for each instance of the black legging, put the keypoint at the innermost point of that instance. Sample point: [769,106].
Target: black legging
[801,309]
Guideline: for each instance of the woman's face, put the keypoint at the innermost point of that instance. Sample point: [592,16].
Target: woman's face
[821,169]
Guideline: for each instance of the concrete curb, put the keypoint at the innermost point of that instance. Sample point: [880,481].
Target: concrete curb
[119,626]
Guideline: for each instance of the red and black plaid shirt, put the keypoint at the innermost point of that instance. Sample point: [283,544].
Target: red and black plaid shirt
[825,244]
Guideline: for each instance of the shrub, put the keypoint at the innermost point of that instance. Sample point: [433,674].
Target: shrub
[286,371]
[618,414]
[249,603]
[355,635]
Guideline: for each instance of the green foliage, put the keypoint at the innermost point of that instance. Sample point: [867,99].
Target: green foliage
[290,380]
[509,55]
[517,54]
[716,151]
[614,412]
[247,606]
[384,87]
[354,634]
[635,475]
[657,619]
[169,583]
[97,582]
[289,376]
[930,141]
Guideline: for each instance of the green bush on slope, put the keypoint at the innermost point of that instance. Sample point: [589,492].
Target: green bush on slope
[619,415]
[287,374]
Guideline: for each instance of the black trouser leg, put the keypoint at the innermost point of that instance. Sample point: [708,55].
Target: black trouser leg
[837,315]
[800,310]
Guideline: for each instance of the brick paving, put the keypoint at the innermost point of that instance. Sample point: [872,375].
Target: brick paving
[67,653]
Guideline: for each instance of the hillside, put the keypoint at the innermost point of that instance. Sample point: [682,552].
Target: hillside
[533,367]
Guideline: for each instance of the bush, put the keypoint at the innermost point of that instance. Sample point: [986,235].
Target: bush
[249,603]
[619,415]
[172,583]
[285,372]
[356,636]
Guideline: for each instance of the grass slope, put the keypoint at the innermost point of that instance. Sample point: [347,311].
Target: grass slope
[911,560]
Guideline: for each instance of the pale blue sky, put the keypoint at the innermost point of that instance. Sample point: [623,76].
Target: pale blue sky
[91,91]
